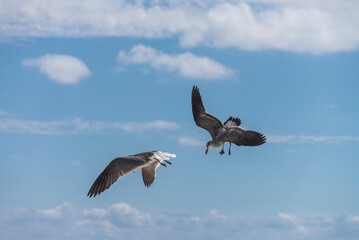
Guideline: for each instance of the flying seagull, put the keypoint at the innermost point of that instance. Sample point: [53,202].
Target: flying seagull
[229,131]
[121,166]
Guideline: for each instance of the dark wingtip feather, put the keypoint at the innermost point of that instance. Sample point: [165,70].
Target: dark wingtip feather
[254,138]
[98,186]
[197,104]
[91,193]
[148,183]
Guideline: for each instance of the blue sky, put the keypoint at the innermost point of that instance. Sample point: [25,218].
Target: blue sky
[83,83]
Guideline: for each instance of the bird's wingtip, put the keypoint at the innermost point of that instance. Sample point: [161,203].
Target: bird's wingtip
[195,89]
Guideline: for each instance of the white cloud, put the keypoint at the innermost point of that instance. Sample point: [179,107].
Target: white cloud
[275,26]
[301,26]
[36,127]
[96,212]
[79,126]
[57,212]
[354,218]
[125,214]
[63,69]
[190,141]
[186,64]
[76,163]
[145,126]
[214,214]
[329,106]
[288,217]
[124,221]
[3,113]
[95,229]
[309,139]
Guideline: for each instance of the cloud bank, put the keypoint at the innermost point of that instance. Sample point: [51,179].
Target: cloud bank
[185,64]
[123,221]
[79,126]
[298,26]
[310,139]
[62,69]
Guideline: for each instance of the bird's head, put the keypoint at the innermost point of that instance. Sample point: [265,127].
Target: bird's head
[208,146]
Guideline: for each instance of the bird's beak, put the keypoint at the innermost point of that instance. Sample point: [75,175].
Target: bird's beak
[206,151]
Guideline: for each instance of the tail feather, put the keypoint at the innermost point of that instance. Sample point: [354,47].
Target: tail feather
[164,155]
[231,121]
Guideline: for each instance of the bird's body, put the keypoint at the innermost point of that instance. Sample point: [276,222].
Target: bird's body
[121,166]
[229,131]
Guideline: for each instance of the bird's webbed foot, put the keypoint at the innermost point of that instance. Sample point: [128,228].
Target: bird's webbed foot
[222,151]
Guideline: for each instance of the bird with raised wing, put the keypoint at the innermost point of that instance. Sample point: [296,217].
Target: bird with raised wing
[230,131]
[121,166]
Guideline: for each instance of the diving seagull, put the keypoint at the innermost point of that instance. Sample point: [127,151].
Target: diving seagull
[121,166]
[229,131]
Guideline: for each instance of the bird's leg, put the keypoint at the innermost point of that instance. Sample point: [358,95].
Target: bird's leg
[229,149]
[168,162]
[161,163]
[222,152]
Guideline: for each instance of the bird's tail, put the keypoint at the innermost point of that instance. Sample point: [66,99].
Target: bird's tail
[163,155]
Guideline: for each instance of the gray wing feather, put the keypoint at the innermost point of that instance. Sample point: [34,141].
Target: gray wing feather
[242,137]
[201,117]
[149,173]
[115,170]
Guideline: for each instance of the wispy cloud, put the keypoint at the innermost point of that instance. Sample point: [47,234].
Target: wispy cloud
[127,222]
[144,126]
[76,163]
[299,26]
[3,113]
[185,64]
[310,139]
[78,126]
[190,141]
[329,106]
[63,69]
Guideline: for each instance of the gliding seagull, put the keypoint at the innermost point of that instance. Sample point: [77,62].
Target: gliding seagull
[230,131]
[121,166]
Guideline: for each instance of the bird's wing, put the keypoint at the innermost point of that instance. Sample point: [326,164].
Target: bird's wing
[115,170]
[243,137]
[201,117]
[149,173]
[231,121]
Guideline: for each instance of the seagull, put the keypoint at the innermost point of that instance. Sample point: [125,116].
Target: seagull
[230,131]
[121,166]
